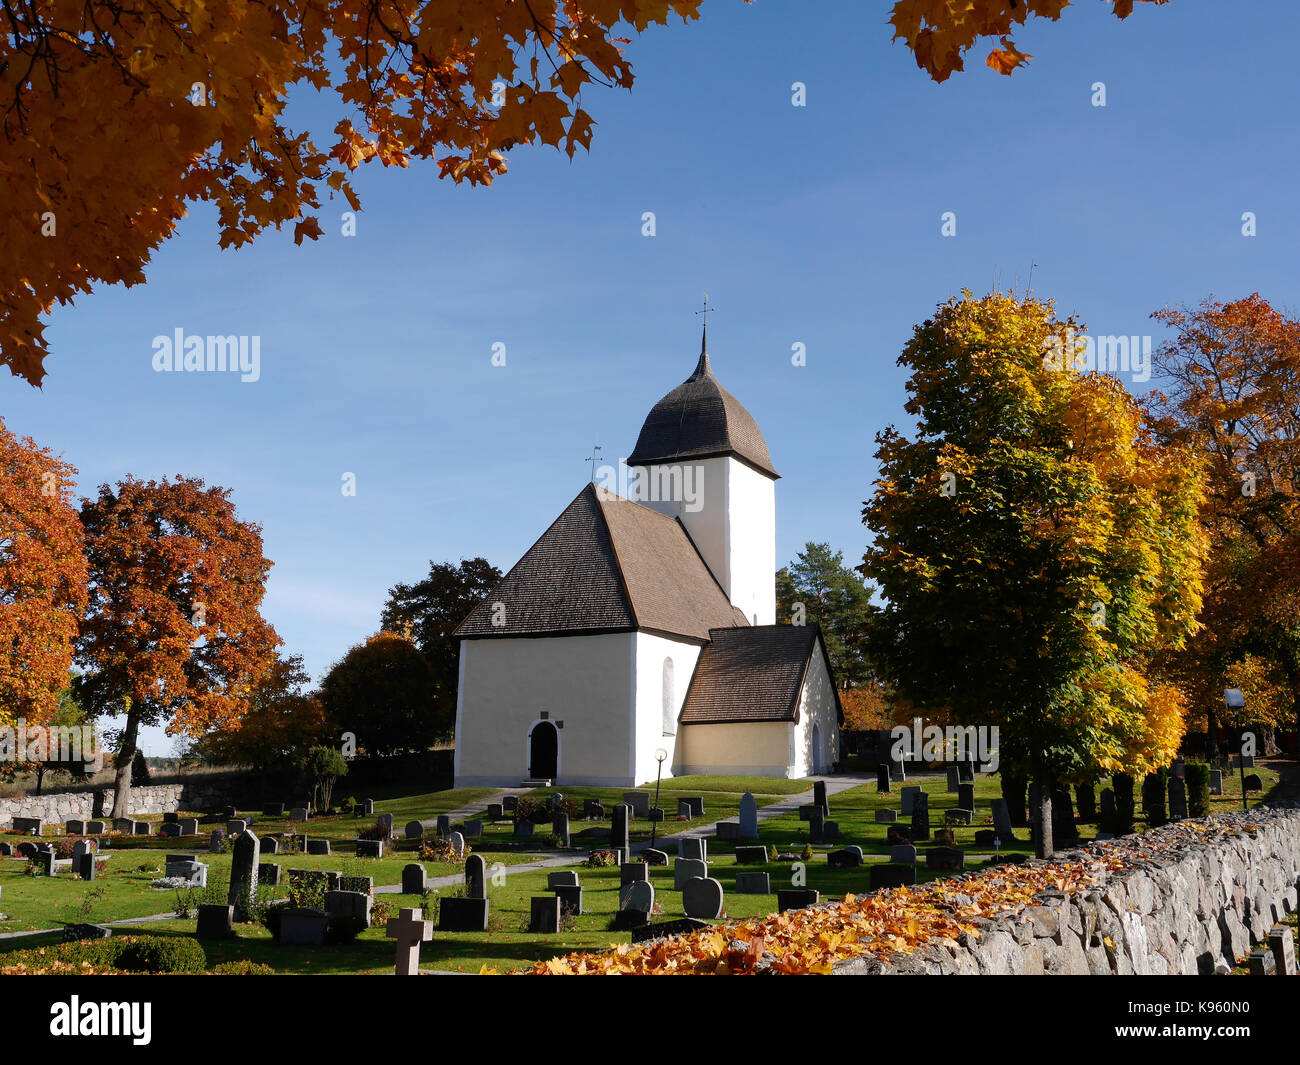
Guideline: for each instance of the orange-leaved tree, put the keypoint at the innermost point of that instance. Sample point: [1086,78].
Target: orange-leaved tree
[117,115]
[940,33]
[42,579]
[173,631]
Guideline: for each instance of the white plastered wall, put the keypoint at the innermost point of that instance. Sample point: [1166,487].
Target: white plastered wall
[649,734]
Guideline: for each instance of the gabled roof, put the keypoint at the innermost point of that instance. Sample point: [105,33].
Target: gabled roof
[754,674]
[700,419]
[606,565]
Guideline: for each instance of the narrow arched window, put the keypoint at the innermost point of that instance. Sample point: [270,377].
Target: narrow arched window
[670,700]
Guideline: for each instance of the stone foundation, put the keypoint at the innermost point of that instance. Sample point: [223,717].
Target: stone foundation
[1200,905]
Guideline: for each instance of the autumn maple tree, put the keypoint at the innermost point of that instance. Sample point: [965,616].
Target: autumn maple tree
[42,579]
[1034,547]
[940,32]
[173,632]
[1230,390]
[116,115]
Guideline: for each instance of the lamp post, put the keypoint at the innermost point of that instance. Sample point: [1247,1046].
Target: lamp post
[660,755]
[1234,700]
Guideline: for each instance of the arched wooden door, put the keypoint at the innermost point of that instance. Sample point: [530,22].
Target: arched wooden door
[543,752]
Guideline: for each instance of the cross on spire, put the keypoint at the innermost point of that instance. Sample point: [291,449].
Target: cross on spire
[704,339]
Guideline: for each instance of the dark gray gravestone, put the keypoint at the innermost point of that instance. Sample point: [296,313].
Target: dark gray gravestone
[348,905]
[795,899]
[269,874]
[369,848]
[909,795]
[819,797]
[753,884]
[473,829]
[683,809]
[46,860]
[702,898]
[630,871]
[414,879]
[83,865]
[748,817]
[444,825]
[882,778]
[218,838]
[756,855]
[243,874]
[1107,816]
[886,817]
[544,914]
[697,805]
[727,831]
[235,827]
[189,826]
[806,812]
[495,812]
[903,854]
[639,801]
[591,809]
[318,846]
[1177,799]
[693,847]
[273,809]
[1179,768]
[619,816]
[475,877]
[954,779]
[948,858]
[463,915]
[414,830]
[215,922]
[686,868]
[570,896]
[561,878]
[892,876]
[98,828]
[560,828]
[1262,962]
[1216,781]
[170,831]
[957,817]
[510,803]
[1065,833]
[1086,796]
[303,927]
[985,837]
[6,850]
[817,826]
[270,844]
[636,901]
[368,807]
[920,816]
[830,831]
[966,772]
[28,826]
[845,858]
[966,796]
[75,828]
[655,856]
[1253,782]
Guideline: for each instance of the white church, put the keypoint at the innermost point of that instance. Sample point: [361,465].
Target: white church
[641,626]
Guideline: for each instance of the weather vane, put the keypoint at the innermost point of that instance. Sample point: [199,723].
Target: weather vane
[706,309]
[595,454]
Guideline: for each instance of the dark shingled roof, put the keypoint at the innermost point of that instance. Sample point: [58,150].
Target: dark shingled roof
[753,674]
[700,419]
[607,565]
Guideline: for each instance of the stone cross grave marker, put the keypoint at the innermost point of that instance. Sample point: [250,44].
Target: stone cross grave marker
[410,929]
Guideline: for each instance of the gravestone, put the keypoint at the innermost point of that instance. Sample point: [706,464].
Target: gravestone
[1107,805]
[235,826]
[544,914]
[697,805]
[1086,798]
[639,801]
[298,813]
[243,874]
[1253,782]
[31,826]
[819,797]
[189,826]
[443,826]
[75,828]
[269,874]
[120,824]
[806,812]
[348,905]
[141,828]
[1216,781]
[98,828]
[414,879]
[229,812]
[636,901]
[46,860]
[756,855]
[727,831]
[217,839]
[495,812]
[693,847]
[510,803]
[898,834]
[795,899]
[273,809]
[270,844]
[1177,799]
[954,779]
[195,874]
[570,896]
[1065,832]
[655,856]
[410,929]
[385,824]
[966,796]
[686,868]
[171,818]
[87,846]
[702,898]
[949,858]
[215,922]
[27,850]
[886,817]
[463,915]
[816,825]
[6,850]
[620,814]
[830,831]
[683,809]
[318,846]
[985,837]
[472,829]
[753,884]
[1179,768]
[844,858]
[957,817]
[524,829]
[368,807]
[1282,943]
[920,816]
[892,876]
[909,797]
[476,877]
[1262,962]
[561,878]
[748,817]
[83,865]
[630,871]
[560,828]
[302,927]
[882,778]
[593,810]
[170,830]
[898,769]
[457,842]
[903,854]
[966,772]
[369,848]
[414,830]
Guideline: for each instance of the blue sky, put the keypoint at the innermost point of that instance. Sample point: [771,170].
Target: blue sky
[817,225]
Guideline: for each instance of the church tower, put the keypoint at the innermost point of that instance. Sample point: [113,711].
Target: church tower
[701,458]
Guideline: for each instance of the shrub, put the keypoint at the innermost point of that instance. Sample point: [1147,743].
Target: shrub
[345,929]
[807,852]
[441,850]
[1198,789]
[599,859]
[375,831]
[348,805]
[771,852]
[242,968]
[159,955]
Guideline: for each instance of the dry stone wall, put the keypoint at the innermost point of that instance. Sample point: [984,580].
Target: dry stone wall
[1192,898]
[58,807]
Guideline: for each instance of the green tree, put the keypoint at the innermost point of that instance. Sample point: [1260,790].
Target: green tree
[322,766]
[384,692]
[1034,546]
[429,611]
[835,597]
